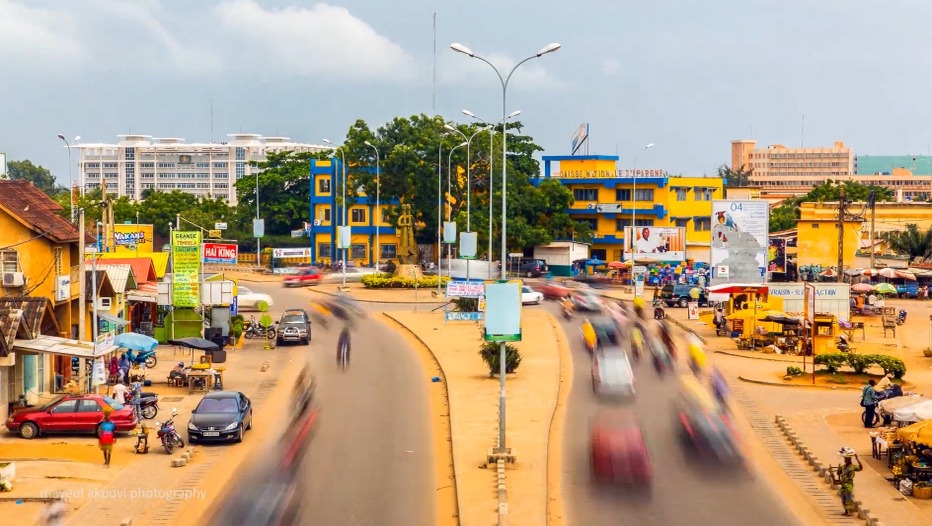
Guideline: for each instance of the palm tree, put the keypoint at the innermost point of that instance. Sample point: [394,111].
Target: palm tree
[911,242]
[735,178]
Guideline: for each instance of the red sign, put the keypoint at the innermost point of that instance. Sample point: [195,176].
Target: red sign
[220,253]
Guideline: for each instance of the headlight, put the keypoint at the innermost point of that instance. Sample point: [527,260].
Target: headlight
[231,427]
[191,426]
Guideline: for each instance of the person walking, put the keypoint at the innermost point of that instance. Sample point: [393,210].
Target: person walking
[869,401]
[844,477]
[119,393]
[107,435]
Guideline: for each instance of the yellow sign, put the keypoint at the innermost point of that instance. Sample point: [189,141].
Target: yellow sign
[215,234]
[186,265]
[133,238]
[605,174]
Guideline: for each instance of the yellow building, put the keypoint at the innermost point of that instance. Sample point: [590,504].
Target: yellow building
[607,198]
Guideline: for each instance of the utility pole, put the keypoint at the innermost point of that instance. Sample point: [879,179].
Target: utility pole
[841,234]
[872,201]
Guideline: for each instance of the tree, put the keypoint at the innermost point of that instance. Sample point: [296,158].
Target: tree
[735,178]
[786,215]
[910,242]
[40,176]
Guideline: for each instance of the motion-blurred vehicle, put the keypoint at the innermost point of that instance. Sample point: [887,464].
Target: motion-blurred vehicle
[530,297]
[705,426]
[606,333]
[612,375]
[71,414]
[247,299]
[587,300]
[220,416]
[303,278]
[617,450]
[294,327]
[553,290]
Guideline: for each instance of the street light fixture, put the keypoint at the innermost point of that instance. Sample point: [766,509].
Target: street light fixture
[459,48]
[634,200]
[449,190]
[378,205]
[343,204]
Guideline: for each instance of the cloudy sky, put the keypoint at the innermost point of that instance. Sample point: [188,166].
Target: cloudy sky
[688,76]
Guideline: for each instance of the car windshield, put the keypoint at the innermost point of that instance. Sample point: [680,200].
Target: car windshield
[292,318]
[244,290]
[50,404]
[218,405]
[526,290]
[113,403]
[616,369]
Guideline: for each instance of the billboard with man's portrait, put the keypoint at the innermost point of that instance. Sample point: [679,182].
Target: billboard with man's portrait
[649,243]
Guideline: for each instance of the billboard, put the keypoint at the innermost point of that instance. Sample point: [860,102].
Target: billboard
[650,243]
[133,238]
[186,265]
[740,230]
[776,255]
[580,137]
[223,253]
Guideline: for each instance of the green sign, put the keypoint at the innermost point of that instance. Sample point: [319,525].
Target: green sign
[186,266]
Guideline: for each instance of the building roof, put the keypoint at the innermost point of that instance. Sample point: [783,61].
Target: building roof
[22,200]
[121,276]
[25,317]
[104,286]
[143,267]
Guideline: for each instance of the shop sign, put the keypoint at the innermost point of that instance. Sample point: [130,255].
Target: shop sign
[186,265]
[222,253]
[462,289]
[607,174]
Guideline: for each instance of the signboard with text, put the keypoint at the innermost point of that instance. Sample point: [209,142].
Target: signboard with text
[650,243]
[279,253]
[462,289]
[223,253]
[740,232]
[186,265]
[133,238]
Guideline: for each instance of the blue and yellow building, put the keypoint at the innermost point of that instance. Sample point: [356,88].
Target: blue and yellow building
[606,197]
[363,217]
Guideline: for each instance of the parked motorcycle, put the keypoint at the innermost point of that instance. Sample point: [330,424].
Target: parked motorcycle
[146,358]
[901,317]
[167,434]
[255,330]
[842,344]
[148,404]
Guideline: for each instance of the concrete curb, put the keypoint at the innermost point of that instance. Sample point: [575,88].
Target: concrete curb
[745,355]
[818,467]
[778,384]
[502,494]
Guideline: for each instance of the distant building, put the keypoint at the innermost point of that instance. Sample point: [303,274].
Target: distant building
[139,162]
[888,164]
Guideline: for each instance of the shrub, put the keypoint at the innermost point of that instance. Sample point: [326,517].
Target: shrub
[794,371]
[832,361]
[236,327]
[891,365]
[490,353]
[861,362]
[385,281]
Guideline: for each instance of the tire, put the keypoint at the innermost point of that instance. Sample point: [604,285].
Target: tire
[168,445]
[179,442]
[239,435]
[149,412]
[249,335]
[29,430]
[530,274]
[864,418]
[151,361]
[271,333]
[306,341]
[683,302]
[249,427]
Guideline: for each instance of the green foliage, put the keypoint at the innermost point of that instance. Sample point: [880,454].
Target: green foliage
[832,361]
[860,363]
[785,216]
[735,178]
[890,365]
[910,242]
[794,371]
[387,281]
[236,327]
[266,320]
[491,355]
[39,176]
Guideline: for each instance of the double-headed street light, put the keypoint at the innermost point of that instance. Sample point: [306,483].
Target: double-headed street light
[459,48]
[439,209]
[339,150]
[378,205]
[449,194]
[488,128]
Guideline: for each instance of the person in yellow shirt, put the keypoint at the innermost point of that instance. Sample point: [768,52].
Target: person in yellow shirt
[588,332]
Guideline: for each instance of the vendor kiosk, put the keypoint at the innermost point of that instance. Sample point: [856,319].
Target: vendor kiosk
[824,332]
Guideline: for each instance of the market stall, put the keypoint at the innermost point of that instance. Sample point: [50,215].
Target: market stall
[910,458]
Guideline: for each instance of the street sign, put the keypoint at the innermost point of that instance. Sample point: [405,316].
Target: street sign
[640,270]
[462,289]
[220,226]
[223,253]
[279,253]
[464,316]
[234,306]
[215,234]
[468,242]
[258,227]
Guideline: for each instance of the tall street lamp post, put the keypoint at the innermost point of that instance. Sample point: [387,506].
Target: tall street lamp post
[439,210]
[343,204]
[488,128]
[82,278]
[449,194]
[634,202]
[70,174]
[459,48]
[378,206]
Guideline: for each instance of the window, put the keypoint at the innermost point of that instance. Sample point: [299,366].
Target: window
[240,170]
[645,194]
[681,194]
[90,406]
[202,165]
[10,260]
[166,165]
[681,223]
[147,175]
[385,217]
[358,215]
[221,176]
[620,224]
[591,221]
[68,406]
[324,214]
[221,186]
[388,251]
[240,153]
[703,224]
[358,251]
[111,165]
[586,194]
[704,194]
[323,185]
[815,225]
[57,257]
[221,166]
[622,194]
[145,165]
[323,250]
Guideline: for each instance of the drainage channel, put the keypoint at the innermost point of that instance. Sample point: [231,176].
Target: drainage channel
[829,503]
[264,390]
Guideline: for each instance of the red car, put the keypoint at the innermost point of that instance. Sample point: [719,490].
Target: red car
[553,290]
[618,451]
[71,414]
[304,278]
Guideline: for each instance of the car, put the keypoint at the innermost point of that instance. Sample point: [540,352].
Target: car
[681,295]
[612,375]
[530,296]
[247,299]
[705,426]
[554,291]
[618,453]
[294,327]
[532,268]
[586,300]
[303,278]
[220,416]
[303,313]
[71,414]
[602,332]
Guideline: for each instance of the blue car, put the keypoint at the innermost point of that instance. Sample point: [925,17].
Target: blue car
[221,416]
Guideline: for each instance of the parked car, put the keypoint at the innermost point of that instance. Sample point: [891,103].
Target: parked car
[612,375]
[681,295]
[301,312]
[303,278]
[247,299]
[294,327]
[71,414]
[530,296]
[532,268]
[617,449]
[553,290]
[220,416]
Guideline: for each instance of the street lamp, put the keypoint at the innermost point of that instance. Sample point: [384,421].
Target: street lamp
[378,205]
[488,128]
[343,162]
[449,194]
[70,174]
[439,210]
[491,148]
[82,277]
[634,202]
[459,48]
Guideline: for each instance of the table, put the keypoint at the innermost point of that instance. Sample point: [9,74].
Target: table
[850,332]
[205,379]
[878,447]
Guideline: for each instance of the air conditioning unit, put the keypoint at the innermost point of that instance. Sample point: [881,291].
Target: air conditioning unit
[104,303]
[13,279]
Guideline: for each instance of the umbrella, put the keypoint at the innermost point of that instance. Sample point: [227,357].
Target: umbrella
[885,288]
[616,264]
[870,272]
[595,262]
[920,433]
[135,341]
[862,287]
[828,273]
[909,276]
[195,343]
[887,273]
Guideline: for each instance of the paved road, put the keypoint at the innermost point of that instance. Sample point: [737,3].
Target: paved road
[371,462]
[684,492]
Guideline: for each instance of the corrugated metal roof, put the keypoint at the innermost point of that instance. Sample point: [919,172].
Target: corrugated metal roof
[31,206]
[159,263]
[143,271]
[121,276]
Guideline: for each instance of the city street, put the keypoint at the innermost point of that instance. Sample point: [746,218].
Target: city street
[371,461]
[684,491]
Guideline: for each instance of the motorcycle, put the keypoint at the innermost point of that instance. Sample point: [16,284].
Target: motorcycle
[148,404]
[842,344]
[167,434]
[659,313]
[901,317]
[146,358]
[255,330]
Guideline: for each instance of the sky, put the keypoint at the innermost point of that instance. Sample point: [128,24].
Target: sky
[687,76]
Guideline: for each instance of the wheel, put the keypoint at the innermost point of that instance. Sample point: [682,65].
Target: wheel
[29,431]
[530,274]
[271,334]
[249,426]
[179,442]
[151,361]
[249,335]
[306,341]
[149,412]
[876,418]
[169,445]
[239,435]
[682,303]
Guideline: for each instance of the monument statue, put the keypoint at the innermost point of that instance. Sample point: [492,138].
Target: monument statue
[407,249]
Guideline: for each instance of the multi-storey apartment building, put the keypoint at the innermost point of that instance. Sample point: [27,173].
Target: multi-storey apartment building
[138,163]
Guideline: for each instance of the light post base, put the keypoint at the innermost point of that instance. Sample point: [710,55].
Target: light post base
[495,454]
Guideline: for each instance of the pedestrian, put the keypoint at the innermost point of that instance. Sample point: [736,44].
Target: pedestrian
[844,477]
[119,393]
[869,401]
[124,368]
[107,435]
[53,513]
[114,370]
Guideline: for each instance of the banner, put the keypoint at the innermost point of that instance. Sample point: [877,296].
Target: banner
[650,243]
[279,253]
[776,255]
[186,265]
[223,253]
[133,238]
[462,289]
[740,230]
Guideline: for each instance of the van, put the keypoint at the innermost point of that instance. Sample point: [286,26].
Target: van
[679,295]
[532,268]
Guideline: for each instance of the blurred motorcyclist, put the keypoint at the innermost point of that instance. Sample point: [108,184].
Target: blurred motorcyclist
[304,388]
[637,340]
[567,307]
[639,307]
[719,387]
[666,336]
[343,346]
[697,356]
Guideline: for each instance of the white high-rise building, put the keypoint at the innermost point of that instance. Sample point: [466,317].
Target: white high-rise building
[139,162]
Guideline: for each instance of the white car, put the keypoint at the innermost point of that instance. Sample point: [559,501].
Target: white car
[247,299]
[529,296]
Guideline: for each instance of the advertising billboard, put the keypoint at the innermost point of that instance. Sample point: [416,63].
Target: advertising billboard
[186,265]
[133,238]
[223,253]
[740,230]
[776,255]
[651,243]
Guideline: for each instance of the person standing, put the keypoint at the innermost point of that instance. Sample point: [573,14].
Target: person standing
[844,477]
[119,393]
[107,435]
[124,368]
[869,401]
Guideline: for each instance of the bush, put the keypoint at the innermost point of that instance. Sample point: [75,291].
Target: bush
[832,361]
[490,353]
[794,371]
[385,281]
[861,362]
[890,365]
